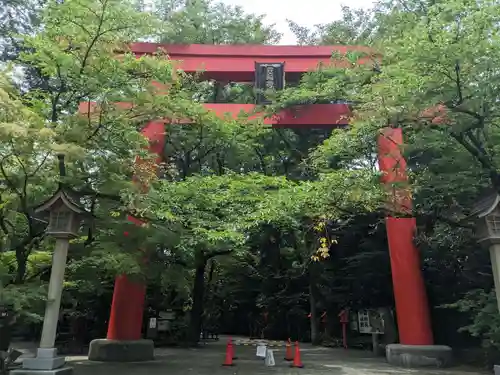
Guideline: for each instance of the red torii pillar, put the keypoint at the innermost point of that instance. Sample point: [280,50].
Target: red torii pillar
[124,341]
[412,309]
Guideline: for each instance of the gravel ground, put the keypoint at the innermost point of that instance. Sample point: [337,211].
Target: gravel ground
[208,360]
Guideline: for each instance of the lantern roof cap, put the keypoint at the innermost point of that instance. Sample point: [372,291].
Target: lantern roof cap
[486,203]
[66,197]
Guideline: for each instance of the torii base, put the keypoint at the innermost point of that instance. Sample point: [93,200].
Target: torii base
[104,350]
[415,356]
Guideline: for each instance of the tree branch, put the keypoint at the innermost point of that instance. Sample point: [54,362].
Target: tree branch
[217,253]
[482,158]
[96,37]
[458,83]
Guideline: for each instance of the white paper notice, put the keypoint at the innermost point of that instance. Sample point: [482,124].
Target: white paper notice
[261,351]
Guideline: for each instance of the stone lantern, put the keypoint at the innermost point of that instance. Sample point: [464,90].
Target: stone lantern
[64,216]
[487,215]
[63,213]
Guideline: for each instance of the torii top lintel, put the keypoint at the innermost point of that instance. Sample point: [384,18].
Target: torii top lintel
[237,62]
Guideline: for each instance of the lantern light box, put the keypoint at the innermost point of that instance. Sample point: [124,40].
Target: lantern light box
[63,213]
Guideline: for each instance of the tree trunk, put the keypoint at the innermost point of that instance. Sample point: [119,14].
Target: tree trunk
[197,308]
[21,261]
[315,337]
[314,317]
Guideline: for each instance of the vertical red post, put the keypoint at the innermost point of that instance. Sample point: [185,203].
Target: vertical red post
[344,320]
[125,321]
[412,308]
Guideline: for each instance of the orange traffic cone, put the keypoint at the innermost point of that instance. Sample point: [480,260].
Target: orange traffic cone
[229,354]
[232,349]
[296,359]
[289,353]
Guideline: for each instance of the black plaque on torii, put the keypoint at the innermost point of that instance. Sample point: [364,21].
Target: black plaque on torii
[268,76]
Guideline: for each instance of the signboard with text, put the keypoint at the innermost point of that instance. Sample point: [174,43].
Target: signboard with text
[268,76]
[370,321]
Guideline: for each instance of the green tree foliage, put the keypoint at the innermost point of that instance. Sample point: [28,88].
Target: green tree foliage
[483,307]
[76,51]
[357,26]
[305,220]
[206,214]
[214,215]
[210,22]
[16,17]
[27,299]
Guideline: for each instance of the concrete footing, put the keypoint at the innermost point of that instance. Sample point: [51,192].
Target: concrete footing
[121,351]
[46,362]
[57,371]
[41,363]
[419,355]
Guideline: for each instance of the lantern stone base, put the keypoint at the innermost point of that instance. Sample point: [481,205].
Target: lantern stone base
[419,355]
[46,362]
[121,351]
[57,371]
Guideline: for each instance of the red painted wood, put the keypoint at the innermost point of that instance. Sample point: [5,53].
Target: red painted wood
[393,165]
[249,51]
[344,335]
[237,62]
[125,320]
[315,115]
[127,307]
[299,116]
[412,308]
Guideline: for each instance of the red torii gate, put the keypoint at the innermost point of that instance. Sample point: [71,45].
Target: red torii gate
[236,63]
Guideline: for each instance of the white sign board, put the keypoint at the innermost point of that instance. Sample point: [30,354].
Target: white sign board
[370,321]
[261,351]
[364,322]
